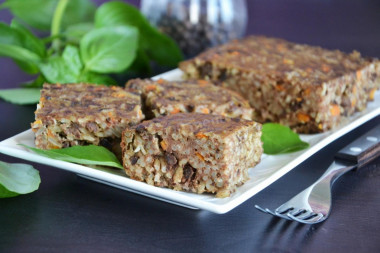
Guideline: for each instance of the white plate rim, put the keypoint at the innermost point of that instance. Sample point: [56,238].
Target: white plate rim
[195,201]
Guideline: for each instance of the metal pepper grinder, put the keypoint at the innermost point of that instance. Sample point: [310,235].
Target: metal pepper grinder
[197,24]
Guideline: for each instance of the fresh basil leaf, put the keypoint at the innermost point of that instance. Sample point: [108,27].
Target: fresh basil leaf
[72,58]
[18,53]
[9,36]
[78,11]
[35,13]
[39,13]
[75,33]
[29,40]
[22,46]
[156,45]
[21,96]
[5,193]
[95,78]
[116,13]
[279,139]
[110,49]
[88,155]
[17,178]
[63,69]
[162,49]
[55,70]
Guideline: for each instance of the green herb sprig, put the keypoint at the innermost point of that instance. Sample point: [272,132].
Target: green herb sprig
[17,178]
[87,155]
[279,139]
[86,44]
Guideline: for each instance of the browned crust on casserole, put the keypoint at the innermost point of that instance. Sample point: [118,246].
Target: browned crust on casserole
[308,88]
[80,114]
[192,152]
[164,97]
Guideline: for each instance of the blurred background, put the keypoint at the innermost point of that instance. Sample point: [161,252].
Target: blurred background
[335,24]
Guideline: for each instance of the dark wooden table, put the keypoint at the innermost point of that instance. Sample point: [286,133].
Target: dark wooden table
[71,214]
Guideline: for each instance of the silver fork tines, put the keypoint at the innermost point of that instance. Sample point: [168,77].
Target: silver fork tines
[310,218]
[303,216]
[313,204]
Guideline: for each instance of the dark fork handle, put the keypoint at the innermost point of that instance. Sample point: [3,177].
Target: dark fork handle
[363,150]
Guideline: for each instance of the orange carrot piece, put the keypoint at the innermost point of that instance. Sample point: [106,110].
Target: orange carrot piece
[303,117]
[175,110]
[119,95]
[38,122]
[205,111]
[203,83]
[335,110]
[372,94]
[325,68]
[200,135]
[200,156]
[280,87]
[164,145]
[150,87]
[306,92]
[49,133]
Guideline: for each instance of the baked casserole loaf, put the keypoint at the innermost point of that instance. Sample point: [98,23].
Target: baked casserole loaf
[308,88]
[82,114]
[163,97]
[192,152]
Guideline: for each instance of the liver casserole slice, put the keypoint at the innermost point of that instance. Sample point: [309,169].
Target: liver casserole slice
[308,88]
[192,152]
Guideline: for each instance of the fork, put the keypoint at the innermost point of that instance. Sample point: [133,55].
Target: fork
[313,205]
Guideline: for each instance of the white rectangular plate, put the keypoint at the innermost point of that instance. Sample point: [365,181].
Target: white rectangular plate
[268,171]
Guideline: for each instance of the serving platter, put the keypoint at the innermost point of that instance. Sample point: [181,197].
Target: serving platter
[270,169]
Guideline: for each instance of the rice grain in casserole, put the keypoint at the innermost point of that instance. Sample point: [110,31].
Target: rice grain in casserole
[164,97]
[192,152]
[82,114]
[308,88]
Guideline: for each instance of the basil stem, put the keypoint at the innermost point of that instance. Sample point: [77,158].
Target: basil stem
[56,23]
